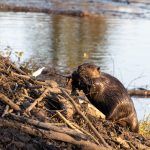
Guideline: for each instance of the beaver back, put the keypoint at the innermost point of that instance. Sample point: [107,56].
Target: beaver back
[107,94]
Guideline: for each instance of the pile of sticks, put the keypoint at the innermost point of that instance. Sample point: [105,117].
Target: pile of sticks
[20,94]
[46,110]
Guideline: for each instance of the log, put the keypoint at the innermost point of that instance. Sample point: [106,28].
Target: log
[51,135]
[48,126]
[138,92]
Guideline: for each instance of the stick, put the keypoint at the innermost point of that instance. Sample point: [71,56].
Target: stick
[9,102]
[87,120]
[17,69]
[87,133]
[21,76]
[51,135]
[38,100]
[5,110]
[67,122]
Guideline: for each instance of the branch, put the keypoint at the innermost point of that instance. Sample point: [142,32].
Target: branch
[17,69]
[67,122]
[9,102]
[49,126]
[38,100]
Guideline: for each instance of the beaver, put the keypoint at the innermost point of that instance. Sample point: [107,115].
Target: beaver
[107,94]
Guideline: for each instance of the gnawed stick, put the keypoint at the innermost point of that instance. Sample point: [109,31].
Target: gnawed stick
[38,100]
[51,135]
[9,102]
[48,126]
[87,120]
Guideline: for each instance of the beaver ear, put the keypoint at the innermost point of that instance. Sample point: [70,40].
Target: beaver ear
[98,68]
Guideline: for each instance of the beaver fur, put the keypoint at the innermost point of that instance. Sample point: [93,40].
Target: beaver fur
[107,94]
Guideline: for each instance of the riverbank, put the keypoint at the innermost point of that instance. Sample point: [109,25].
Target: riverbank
[41,114]
[124,8]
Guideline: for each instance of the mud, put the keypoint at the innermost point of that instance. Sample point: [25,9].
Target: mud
[119,8]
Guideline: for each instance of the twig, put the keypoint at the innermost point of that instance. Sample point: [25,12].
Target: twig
[9,102]
[21,76]
[67,122]
[5,110]
[38,100]
[87,120]
[131,145]
[139,77]
[52,135]
[87,133]
[17,69]
[122,142]
[27,77]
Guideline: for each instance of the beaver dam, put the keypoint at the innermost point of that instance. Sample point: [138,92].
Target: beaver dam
[41,114]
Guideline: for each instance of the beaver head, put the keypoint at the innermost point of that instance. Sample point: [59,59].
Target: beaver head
[83,77]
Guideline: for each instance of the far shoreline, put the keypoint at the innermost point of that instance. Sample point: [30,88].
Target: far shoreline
[80,9]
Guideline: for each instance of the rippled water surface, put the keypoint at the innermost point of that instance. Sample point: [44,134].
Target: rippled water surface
[119,46]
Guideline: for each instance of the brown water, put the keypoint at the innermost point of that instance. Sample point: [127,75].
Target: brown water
[119,46]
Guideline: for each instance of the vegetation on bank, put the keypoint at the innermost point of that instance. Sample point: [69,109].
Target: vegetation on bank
[144,127]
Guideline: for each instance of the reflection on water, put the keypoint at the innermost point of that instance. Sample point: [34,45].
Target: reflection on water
[119,46]
[75,40]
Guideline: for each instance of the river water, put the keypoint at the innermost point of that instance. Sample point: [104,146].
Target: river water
[119,46]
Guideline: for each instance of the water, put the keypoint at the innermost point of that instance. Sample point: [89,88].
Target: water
[119,46]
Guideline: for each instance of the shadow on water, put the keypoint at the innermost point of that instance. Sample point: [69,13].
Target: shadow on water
[119,46]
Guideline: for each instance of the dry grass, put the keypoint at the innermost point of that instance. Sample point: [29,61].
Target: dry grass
[145,126]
